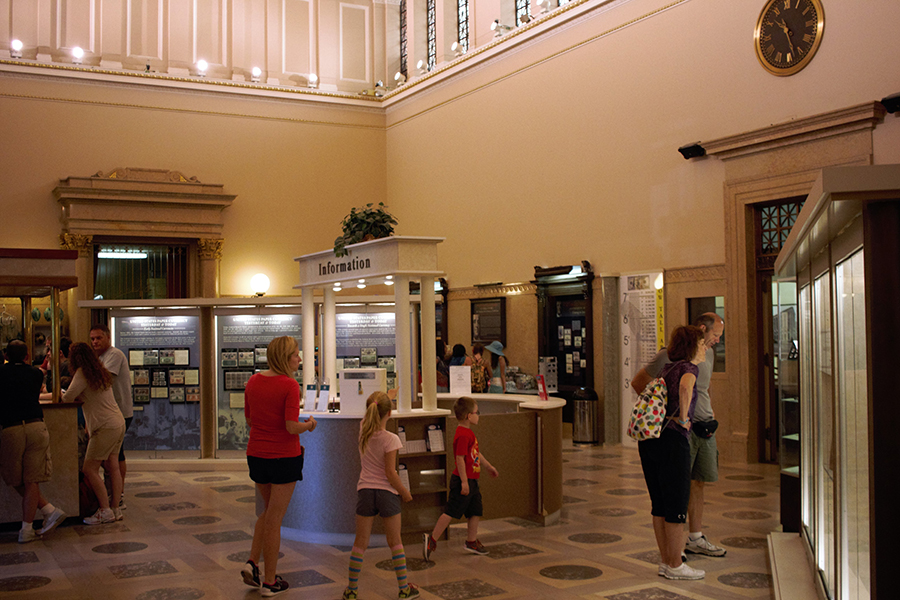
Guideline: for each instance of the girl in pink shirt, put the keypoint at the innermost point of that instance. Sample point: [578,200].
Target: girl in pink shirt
[378,493]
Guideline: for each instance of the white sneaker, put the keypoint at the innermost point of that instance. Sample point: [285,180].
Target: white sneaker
[703,546]
[662,570]
[29,535]
[103,515]
[50,523]
[683,572]
[118,514]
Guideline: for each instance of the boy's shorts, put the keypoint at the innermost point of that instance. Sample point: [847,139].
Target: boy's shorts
[371,502]
[459,505]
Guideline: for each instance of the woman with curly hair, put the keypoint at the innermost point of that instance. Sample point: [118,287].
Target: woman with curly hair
[92,384]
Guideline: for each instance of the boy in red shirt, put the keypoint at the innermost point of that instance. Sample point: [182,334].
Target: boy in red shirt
[464,497]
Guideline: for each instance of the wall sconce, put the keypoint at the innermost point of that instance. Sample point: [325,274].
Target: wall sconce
[544,5]
[15,48]
[499,28]
[77,55]
[202,66]
[400,78]
[694,150]
[255,74]
[259,283]
[312,81]
[421,67]
[457,49]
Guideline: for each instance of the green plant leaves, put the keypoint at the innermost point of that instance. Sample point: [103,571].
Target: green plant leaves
[360,223]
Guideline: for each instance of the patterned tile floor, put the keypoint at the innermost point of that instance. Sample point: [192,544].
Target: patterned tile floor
[186,534]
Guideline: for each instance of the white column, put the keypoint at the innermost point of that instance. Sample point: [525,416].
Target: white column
[329,356]
[404,361]
[308,333]
[429,372]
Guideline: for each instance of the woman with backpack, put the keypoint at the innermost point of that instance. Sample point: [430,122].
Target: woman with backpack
[481,372]
[666,460]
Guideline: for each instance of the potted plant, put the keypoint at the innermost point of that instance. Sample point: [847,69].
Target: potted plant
[364,224]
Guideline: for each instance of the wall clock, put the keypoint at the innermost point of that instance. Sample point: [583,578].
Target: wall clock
[787,34]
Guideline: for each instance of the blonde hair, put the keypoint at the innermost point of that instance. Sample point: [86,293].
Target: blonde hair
[377,406]
[279,354]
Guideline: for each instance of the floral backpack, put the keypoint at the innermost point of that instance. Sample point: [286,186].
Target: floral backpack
[479,376]
[649,412]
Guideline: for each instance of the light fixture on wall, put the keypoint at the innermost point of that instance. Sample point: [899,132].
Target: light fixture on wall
[421,67]
[544,5]
[312,81]
[255,74]
[457,49]
[499,28]
[15,48]
[694,150]
[202,66]
[400,78]
[77,55]
[259,283]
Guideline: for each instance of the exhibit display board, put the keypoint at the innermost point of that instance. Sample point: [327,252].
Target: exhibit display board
[366,340]
[241,341]
[641,331]
[163,353]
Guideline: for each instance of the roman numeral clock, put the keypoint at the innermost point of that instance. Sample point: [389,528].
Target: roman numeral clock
[787,34]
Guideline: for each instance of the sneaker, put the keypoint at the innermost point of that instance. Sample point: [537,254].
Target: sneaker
[250,573]
[272,589]
[703,546]
[103,515]
[51,522]
[662,570]
[350,594]
[29,535]
[683,572]
[118,514]
[429,545]
[411,591]
[122,503]
[476,547]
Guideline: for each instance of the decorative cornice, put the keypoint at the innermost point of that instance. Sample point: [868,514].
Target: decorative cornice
[137,174]
[705,273]
[210,248]
[84,244]
[511,289]
[838,122]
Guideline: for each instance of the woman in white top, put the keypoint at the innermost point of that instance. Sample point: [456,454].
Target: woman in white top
[92,384]
[378,492]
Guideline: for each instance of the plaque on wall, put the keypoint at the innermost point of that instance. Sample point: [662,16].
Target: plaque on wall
[489,320]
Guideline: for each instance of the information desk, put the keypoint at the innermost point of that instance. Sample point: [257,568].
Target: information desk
[62,489]
[525,444]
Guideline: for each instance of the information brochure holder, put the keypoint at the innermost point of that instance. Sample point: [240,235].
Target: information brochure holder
[311,395]
[357,385]
[461,381]
[435,439]
[324,391]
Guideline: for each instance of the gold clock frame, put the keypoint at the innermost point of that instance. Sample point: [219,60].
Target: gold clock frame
[820,29]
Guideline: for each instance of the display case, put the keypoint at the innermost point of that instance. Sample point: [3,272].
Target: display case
[843,256]
[787,370]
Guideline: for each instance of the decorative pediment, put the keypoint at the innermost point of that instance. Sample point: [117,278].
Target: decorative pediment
[142,202]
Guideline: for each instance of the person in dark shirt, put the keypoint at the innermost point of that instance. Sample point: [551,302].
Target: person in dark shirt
[24,440]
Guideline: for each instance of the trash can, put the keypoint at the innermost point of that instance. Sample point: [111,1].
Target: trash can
[585,428]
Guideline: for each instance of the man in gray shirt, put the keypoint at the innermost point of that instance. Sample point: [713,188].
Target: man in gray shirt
[117,364]
[704,454]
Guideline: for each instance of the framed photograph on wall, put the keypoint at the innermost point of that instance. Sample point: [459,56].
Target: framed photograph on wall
[488,320]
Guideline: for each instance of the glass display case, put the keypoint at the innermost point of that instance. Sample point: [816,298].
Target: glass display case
[787,373]
[838,437]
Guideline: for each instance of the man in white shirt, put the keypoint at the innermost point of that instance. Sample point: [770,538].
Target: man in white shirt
[116,363]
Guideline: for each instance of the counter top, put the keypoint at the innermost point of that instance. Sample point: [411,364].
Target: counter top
[524,401]
[416,412]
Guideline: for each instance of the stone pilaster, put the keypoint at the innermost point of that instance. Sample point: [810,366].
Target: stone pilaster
[210,253]
[79,319]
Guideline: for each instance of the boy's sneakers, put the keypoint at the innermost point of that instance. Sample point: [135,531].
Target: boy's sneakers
[703,546]
[350,594]
[476,547]
[683,572]
[429,545]
[29,535]
[250,573]
[103,515]
[411,591]
[272,589]
[50,523]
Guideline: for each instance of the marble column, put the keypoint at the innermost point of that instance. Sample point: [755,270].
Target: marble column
[80,318]
[328,358]
[210,252]
[308,335]
[404,361]
[429,358]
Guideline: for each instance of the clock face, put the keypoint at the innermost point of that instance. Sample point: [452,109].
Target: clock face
[788,34]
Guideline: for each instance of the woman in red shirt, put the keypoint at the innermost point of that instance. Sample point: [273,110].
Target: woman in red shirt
[274,455]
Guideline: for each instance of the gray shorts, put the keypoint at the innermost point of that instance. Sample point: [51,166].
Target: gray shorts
[371,502]
[704,459]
